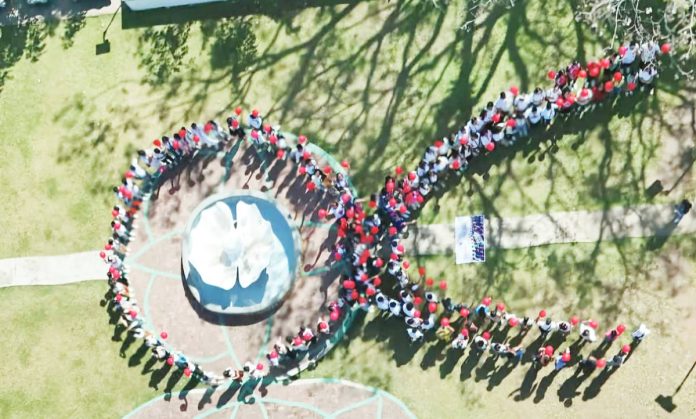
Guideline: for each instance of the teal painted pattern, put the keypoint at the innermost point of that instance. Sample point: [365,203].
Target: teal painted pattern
[376,396]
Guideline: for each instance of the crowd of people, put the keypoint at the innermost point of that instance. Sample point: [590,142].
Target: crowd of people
[149,168]
[369,246]
[371,237]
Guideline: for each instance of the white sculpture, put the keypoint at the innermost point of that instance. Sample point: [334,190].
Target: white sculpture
[224,249]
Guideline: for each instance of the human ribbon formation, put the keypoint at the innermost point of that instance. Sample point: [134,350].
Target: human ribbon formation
[369,235]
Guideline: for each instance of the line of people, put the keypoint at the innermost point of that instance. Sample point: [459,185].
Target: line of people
[369,234]
[371,238]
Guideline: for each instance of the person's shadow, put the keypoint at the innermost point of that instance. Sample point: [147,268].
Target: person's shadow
[569,389]
[469,364]
[667,402]
[500,373]
[544,386]
[528,386]
[592,390]
[661,236]
[453,356]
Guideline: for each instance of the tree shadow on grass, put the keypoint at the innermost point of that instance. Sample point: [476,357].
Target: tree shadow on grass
[27,40]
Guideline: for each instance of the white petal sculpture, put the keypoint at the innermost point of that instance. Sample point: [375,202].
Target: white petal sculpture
[208,243]
[256,235]
[221,252]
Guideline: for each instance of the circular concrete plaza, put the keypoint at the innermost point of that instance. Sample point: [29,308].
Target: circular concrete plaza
[312,398]
[216,340]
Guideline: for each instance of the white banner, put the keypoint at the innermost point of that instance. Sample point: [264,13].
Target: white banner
[470,239]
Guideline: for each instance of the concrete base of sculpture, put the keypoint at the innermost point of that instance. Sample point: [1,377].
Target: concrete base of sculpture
[240,253]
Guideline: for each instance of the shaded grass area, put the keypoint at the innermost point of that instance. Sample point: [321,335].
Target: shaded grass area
[620,282]
[372,82]
[60,360]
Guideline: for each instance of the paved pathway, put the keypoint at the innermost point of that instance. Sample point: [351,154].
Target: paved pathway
[508,233]
[559,227]
[52,270]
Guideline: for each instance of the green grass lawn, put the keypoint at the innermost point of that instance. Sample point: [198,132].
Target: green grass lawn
[369,81]
[61,362]
[60,359]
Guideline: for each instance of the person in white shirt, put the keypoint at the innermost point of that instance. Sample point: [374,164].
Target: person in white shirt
[414,334]
[395,308]
[413,321]
[422,169]
[521,102]
[533,115]
[640,333]
[382,302]
[648,52]
[408,308]
[553,94]
[255,120]
[502,104]
[480,343]
[587,333]
[647,74]
[538,97]
[461,341]
[546,326]
[521,127]
[564,327]
[487,114]
[429,323]
[496,135]
[548,113]
[430,155]
[630,55]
